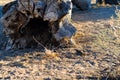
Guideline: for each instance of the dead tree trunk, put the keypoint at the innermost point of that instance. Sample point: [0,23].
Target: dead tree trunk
[48,21]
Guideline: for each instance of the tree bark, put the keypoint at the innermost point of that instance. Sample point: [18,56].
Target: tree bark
[48,21]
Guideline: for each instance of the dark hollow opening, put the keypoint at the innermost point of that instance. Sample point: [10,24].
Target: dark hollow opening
[40,30]
[37,26]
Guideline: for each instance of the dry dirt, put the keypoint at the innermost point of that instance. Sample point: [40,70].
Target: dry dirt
[95,56]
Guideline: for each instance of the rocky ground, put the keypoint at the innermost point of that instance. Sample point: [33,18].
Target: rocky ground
[96,54]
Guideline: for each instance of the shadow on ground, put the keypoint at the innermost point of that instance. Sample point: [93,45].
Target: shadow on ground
[102,13]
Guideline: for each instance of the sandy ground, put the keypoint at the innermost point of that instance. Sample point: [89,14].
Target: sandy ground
[95,56]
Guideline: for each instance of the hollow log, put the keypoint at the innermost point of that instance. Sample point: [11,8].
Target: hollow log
[49,21]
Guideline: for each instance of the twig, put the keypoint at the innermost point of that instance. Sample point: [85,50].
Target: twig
[47,51]
[39,42]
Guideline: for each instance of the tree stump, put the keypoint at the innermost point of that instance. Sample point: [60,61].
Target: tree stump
[48,21]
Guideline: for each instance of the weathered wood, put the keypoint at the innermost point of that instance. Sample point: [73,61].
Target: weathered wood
[48,21]
[57,9]
[8,6]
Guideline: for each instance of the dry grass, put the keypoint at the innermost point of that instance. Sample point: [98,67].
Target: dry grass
[95,56]
[3,2]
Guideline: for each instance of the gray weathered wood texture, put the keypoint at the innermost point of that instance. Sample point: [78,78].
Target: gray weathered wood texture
[48,21]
